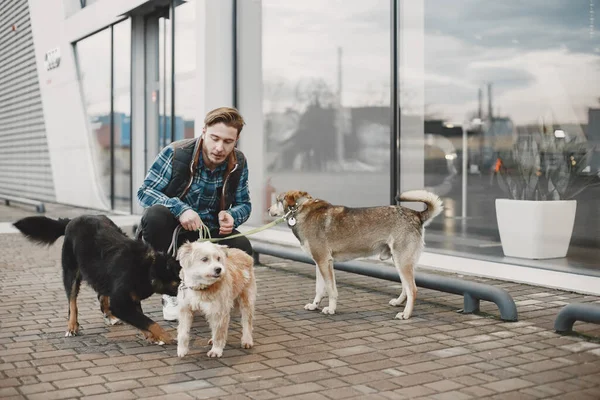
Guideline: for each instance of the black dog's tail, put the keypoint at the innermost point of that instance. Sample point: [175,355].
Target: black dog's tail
[42,229]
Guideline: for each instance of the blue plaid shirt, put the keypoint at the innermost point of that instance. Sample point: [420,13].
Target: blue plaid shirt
[202,196]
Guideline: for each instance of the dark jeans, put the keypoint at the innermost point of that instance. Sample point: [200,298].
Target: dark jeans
[158,224]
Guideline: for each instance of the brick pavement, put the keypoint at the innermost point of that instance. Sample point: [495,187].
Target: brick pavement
[361,352]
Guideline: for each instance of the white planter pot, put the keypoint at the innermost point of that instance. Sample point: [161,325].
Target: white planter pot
[535,229]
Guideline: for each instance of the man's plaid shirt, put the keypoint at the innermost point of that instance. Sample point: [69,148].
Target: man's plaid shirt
[202,196]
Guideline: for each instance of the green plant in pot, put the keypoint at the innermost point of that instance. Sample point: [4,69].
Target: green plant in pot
[541,175]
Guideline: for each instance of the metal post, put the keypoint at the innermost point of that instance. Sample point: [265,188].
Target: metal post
[576,312]
[394,103]
[470,304]
[234,58]
[465,150]
[112,118]
[172,71]
[163,96]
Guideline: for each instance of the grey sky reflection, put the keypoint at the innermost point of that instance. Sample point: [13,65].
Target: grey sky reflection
[541,56]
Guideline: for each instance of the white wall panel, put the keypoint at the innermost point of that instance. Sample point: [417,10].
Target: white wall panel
[251,101]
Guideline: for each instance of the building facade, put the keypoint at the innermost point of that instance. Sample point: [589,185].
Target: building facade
[352,101]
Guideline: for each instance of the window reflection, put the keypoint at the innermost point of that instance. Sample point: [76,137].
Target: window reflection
[185,69]
[122,115]
[326,91]
[94,62]
[164,91]
[185,73]
[504,71]
[93,56]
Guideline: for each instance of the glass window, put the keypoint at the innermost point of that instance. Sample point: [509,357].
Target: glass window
[185,73]
[326,98]
[185,69]
[94,63]
[122,115]
[93,57]
[164,92]
[503,73]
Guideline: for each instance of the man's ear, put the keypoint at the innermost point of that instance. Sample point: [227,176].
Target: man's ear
[184,251]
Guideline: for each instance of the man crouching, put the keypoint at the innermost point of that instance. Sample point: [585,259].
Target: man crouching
[214,278]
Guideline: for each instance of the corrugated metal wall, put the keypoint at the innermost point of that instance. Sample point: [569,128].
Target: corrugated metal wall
[25,169]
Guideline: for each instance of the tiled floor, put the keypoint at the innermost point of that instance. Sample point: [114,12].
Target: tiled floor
[361,352]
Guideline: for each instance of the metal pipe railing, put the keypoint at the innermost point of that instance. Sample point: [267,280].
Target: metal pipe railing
[570,313]
[473,292]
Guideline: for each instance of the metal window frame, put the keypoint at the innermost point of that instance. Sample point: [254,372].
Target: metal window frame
[112,118]
[235,55]
[394,103]
[172,70]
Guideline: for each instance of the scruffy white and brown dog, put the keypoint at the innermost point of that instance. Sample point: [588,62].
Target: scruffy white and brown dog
[214,279]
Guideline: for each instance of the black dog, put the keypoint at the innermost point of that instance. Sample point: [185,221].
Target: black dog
[121,270]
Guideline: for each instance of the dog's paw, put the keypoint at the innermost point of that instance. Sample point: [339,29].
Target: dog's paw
[71,333]
[396,302]
[182,351]
[112,321]
[247,343]
[328,310]
[159,342]
[215,352]
[310,306]
[402,315]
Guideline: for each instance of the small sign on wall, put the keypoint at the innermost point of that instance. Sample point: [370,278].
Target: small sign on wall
[52,59]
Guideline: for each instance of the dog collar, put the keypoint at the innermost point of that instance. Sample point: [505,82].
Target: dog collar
[290,216]
[199,287]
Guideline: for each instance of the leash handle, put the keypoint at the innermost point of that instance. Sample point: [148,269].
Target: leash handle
[250,232]
[204,234]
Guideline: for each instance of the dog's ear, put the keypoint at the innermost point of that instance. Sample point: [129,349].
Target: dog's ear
[293,196]
[224,249]
[184,251]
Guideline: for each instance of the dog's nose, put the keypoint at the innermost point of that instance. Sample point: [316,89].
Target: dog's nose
[218,271]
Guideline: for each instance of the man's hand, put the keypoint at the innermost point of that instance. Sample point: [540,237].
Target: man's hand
[190,220]
[225,223]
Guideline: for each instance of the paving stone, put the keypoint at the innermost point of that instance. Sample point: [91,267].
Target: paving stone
[261,395]
[508,385]
[297,389]
[55,394]
[78,382]
[92,390]
[301,368]
[36,388]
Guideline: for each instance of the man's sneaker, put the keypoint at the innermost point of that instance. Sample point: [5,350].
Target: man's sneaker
[170,308]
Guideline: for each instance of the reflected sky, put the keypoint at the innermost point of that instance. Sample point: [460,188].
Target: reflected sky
[542,57]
